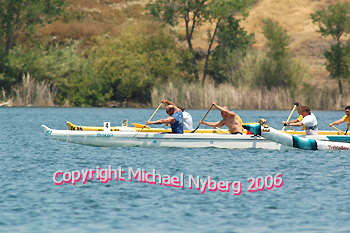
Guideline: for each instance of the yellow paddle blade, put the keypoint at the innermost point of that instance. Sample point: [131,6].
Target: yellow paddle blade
[140,125]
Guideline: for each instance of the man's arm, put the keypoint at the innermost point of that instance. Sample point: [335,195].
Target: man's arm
[295,123]
[213,124]
[168,120]
[168,102]
[171,103]
[231,113]
[336,122]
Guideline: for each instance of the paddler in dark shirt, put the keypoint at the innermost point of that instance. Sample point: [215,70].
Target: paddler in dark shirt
[229,118]
[175,119]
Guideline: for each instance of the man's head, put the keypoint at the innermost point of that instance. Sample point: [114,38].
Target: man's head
[347,110]
[305,110]
[170,109]
[224,114]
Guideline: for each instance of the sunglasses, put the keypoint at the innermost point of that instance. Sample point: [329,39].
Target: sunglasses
[347,111]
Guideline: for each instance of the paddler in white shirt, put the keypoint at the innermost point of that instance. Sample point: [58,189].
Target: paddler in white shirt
[309,121]
[300,117]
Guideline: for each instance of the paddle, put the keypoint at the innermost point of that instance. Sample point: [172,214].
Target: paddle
[149,119]
[338,129]
[140,125]
[290,115]
[291,128]
[152,116]
[203,118]
[347,128]
[222,130]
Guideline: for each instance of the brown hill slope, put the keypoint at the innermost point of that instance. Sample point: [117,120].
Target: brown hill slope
[105,17]
[294,16]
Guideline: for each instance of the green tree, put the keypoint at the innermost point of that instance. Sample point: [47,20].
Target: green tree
[277,69]
[127,67]
[194,13]
[232,45]
[335,21]
[20,18]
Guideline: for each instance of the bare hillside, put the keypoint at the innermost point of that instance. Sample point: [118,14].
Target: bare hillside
[105,17]
[294,16]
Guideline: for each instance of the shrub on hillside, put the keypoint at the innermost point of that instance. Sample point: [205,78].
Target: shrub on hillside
[56,64]
[130,64]
[278,69]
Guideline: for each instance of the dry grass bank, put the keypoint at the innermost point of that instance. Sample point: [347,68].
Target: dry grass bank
[198,97]
[31,93]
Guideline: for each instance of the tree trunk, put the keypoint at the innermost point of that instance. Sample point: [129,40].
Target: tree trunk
[340,87]
[208,53]
[189,42]
[9,18]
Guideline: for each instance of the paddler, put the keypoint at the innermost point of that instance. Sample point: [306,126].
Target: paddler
[300,117]
[175,119]
[345,118]
[187,118]
[309,121]
[229,118]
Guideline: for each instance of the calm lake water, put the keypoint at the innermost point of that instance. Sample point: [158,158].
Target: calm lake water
[314,197]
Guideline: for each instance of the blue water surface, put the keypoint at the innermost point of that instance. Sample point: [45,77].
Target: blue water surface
[314,197]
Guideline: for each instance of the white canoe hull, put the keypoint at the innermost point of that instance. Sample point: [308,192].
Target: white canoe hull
[140,139]
[310,142]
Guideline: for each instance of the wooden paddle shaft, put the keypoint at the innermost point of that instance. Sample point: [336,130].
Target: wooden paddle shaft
[203,118]
[207,112]
[152,115]
[222,130]
[155,112]
[290,115]
[149,118]
[338,129]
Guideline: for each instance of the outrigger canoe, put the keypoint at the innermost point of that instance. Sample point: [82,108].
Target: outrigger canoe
[310,142]
[128,137]
[263,137]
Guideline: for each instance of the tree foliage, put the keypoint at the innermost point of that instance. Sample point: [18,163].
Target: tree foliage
[277,69]
[127,67]
[232,45]
[19,19]
[335,21]
[194,13]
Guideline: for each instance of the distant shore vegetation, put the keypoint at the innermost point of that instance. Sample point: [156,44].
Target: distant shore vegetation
[134,54]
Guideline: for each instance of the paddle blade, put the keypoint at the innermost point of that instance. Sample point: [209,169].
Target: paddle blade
[140,125]
[195,129]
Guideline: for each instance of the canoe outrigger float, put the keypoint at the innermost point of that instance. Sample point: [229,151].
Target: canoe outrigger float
[263,137]
[311,142]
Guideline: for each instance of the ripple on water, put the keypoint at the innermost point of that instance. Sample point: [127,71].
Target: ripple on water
[314,196]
